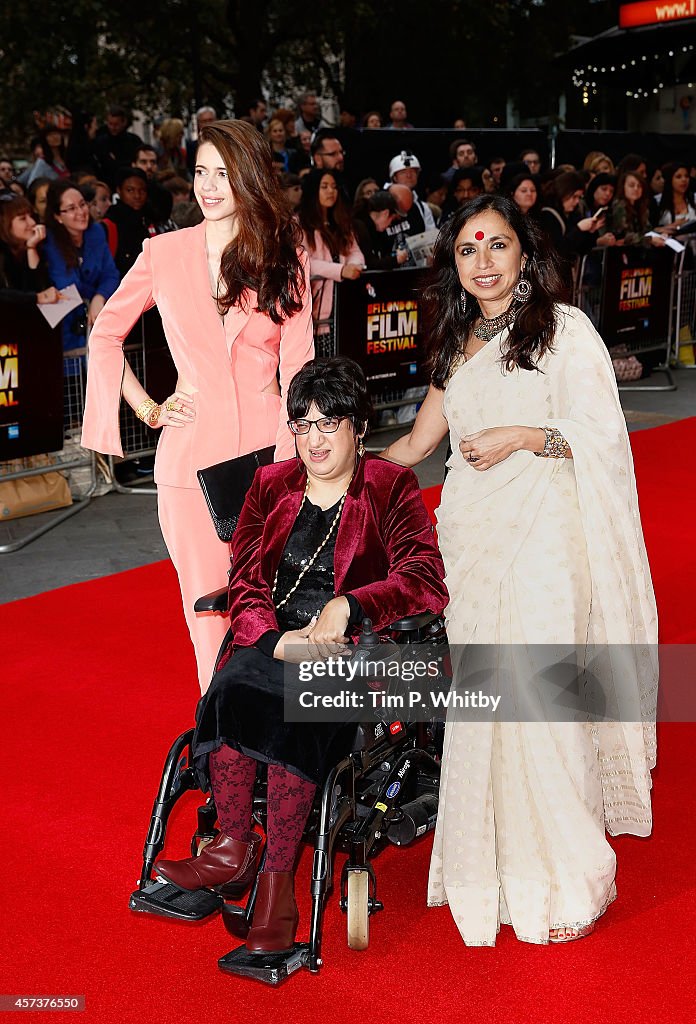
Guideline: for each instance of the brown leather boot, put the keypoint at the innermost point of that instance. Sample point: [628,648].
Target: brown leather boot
[225,861]
[276,916]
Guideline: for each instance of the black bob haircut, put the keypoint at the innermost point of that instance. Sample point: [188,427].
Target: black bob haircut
[337,386]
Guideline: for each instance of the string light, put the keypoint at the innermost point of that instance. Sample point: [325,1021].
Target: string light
[582,80]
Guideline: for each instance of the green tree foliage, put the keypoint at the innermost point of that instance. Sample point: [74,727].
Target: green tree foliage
[444,58]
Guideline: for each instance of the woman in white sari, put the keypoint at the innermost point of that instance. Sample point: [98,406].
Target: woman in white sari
[543,550]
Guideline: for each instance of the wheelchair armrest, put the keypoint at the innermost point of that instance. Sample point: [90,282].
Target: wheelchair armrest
[218,602]
[412,622]
[215,602]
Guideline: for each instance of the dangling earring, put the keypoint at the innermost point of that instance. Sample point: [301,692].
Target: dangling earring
[360,451]
[463,300]
[522,289]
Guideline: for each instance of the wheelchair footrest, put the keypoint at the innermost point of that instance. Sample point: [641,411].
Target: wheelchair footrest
[167,900]
[270,968]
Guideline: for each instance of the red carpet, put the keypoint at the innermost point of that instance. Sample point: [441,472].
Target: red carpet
[99,680]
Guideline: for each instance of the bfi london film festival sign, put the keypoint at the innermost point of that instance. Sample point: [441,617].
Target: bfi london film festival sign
[31,384]
[636,295]
[379,325]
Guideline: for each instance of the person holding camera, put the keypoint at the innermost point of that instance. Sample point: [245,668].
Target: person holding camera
[77,252]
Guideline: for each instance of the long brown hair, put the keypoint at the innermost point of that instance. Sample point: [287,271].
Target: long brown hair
[9,209]
[640,209]
[337,231]
[449,320]
[64,243]
[263,257]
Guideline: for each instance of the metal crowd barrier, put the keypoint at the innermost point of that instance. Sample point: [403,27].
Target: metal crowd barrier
[71,457]
[325,330]
[589,286]
[685,314]
[148,356]
[136,437]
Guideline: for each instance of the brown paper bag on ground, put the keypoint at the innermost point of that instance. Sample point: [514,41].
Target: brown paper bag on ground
[29,495]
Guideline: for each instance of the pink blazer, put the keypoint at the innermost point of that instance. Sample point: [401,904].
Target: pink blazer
[230,365]
[324,271]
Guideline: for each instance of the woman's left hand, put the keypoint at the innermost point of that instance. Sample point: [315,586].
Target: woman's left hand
[326,635]
[488,447]
[95,307]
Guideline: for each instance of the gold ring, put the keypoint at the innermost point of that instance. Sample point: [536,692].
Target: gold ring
[172,406]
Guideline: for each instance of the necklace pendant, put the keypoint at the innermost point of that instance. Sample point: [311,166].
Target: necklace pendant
[488,329]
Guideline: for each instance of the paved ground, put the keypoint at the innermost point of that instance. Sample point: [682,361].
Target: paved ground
[120,531]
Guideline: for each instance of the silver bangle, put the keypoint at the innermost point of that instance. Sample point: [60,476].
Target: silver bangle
[555,445]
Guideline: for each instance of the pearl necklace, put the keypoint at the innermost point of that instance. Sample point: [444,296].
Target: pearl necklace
[312,560]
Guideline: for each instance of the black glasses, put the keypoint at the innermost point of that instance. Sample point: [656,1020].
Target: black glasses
[78,206]
[326,425]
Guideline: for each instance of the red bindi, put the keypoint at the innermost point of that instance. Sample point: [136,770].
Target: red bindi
[479,236]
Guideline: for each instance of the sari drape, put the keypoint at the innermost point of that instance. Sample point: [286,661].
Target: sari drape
[544,551]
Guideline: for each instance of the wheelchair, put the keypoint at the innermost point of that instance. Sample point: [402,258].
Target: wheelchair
[384,791]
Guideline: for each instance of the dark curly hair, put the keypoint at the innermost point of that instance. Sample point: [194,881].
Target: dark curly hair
[448,323]
[337,386]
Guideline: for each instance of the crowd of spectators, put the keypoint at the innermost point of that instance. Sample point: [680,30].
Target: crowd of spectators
[79,210]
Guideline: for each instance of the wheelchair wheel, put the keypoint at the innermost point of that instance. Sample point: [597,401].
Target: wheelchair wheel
[358,909]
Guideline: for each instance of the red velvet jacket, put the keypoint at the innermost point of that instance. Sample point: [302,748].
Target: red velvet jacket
[385,552]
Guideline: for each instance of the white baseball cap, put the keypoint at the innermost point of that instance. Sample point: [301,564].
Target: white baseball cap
[402,161]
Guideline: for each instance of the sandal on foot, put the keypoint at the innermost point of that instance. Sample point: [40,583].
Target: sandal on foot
[569,933]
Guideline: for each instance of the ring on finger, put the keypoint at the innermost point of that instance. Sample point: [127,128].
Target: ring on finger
[172,406]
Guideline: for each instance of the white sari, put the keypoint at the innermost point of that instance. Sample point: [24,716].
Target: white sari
[544,551]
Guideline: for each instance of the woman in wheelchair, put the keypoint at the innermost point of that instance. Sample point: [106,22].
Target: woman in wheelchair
[323,541]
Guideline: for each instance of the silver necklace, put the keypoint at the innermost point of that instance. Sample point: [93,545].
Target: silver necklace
[488,329]
[312,560]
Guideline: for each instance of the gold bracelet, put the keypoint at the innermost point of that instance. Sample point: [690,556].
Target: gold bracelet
[149,412]
[153,418]
[145,408]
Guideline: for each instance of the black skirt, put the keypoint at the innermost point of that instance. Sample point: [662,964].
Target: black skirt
[245,709]
[245,705]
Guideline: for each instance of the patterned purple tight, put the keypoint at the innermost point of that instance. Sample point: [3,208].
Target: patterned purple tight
[232,777]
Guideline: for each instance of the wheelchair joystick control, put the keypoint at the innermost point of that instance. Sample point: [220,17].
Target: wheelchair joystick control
[371,657]
[368,637]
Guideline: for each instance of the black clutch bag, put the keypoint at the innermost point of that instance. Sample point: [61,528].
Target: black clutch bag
[225,487]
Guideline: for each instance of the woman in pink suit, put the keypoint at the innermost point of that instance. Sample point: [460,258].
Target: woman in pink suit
[234,298]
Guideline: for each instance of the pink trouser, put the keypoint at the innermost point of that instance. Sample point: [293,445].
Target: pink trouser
[201,560]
